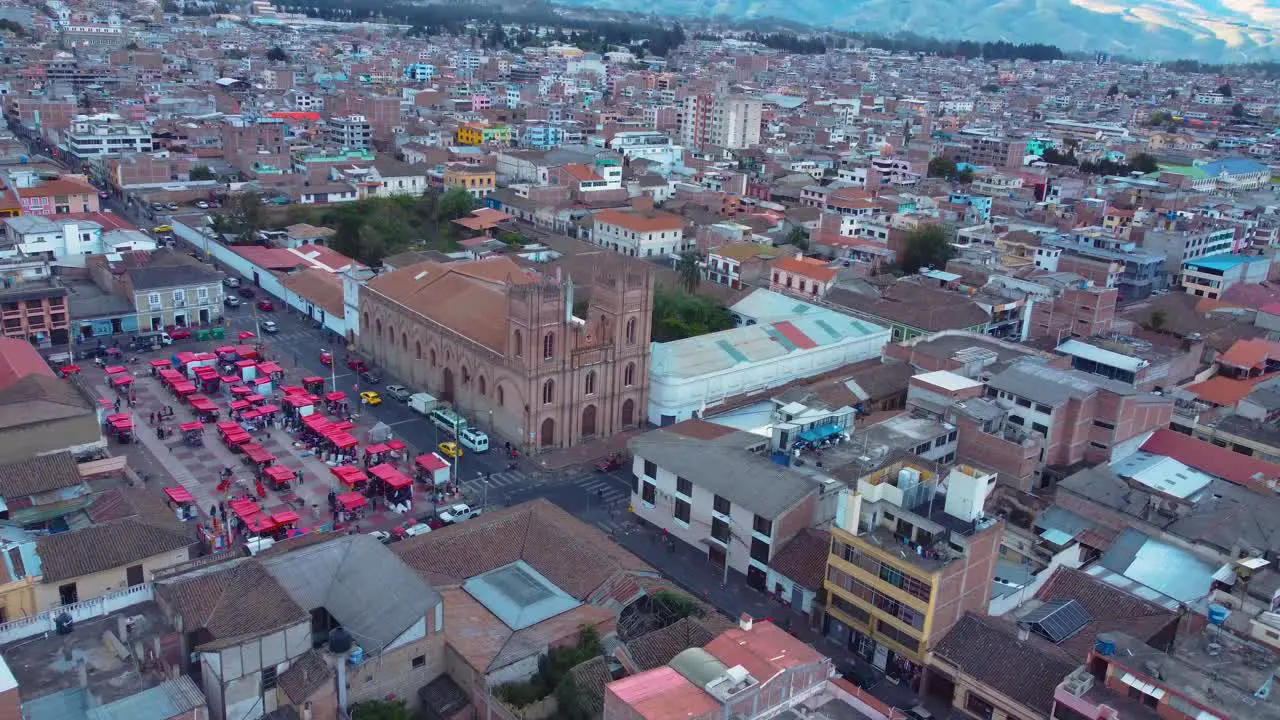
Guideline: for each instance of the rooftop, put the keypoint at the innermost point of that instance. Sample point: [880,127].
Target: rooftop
[519,595]
[1223,262]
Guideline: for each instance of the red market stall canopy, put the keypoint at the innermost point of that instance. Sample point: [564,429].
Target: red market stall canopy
[170,375]
[269,367]
[344,426]
[254,398]
[351,501]
[377,449]
[391,476]
[178,494]
[122,380]
[431,462]
[188,427]
[115,369]
[229,379]
[267,409]
[242,364]
[244,508]
[342,440]
[350,475]
[201,403]
[161,363]
[279,473]
[260,524]
[395,445]
[257,454]
[69,370]
[240,390]
[318,423]
[336,396]
[184,387]
[240,405]
[285,517]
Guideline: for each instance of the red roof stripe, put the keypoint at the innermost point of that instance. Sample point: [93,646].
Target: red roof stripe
[793,333]
[1207,457]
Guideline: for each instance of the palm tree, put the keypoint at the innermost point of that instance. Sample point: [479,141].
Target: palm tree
[689,269]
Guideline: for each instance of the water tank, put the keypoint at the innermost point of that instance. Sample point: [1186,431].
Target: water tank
[1105,645]
[1218,613]
[357,655]
[63,624]
[339,641]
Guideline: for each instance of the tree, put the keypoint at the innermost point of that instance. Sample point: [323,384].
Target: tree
[678,315]
[689,268]
[1224,89]
[942,167]
[1157,320]
[799,238]
[1054,157]
[1237,110]
[379,710]
[201,172]
[1113,90]
[454,204]
[277,54]
[244,212]
[1144,163]
[926,246]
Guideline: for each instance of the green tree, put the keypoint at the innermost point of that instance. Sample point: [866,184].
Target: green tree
[941,167]
[454,204]
[689,268]
[379,710]
[799,238]
[926,246]
[200,172]
[1237,110]
[244,212]
[1113,90]
[1144,163]
[1156,321]
[678,315]
[277,54]
[1224,89]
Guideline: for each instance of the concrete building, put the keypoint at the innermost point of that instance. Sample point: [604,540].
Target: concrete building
[712,486]
[91,136]
[349,131]
[178,295]
[1211,276]
[1181,245]
[35,310]
[638,233]
[908,561]
[504,347]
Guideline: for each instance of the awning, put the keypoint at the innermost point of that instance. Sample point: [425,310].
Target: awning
[178,494]
[431,462]
[188,427]
[821,432]
[279,473]
[351,500]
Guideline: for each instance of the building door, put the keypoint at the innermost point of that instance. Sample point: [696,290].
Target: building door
[548,435]
[716,555]
[204,317]
[797,597]
[881,657]
[446,386]
[589,421]
[155,324]
[133,575]
[628,413]
[67,594]
[180,319]
[756,578]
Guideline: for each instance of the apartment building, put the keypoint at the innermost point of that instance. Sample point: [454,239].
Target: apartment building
[638,232]
[799,275]
[1210,277]
[177,295]
[349,131]
[67,194]
[732,122]
[35,310]
[907,561]
[1141,272]
[1182,245]
[92,136]
[480,182]
[738,264]
[715,488]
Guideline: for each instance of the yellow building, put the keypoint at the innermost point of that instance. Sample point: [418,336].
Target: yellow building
[477,181]
[21,568]
[907,562]
[469,134]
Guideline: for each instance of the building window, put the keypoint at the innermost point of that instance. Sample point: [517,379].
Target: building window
[681,511]
[631,331]
[1022,402]
[648,493]
[501,396]
[518,341]
[1044,409]
[548,391]
[720,530]
[482,385]
[1042,429]
[420,661]
[268,678]
[549,346]
[764,526]
[759,550]
[684,487]
[1103,425]
[153,299]
[433,358]
[629,375]
[590,384]
[1015,420]
[721,505]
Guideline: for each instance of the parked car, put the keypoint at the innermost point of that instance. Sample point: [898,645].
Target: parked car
[245,291]
[270,326]
[231,282]
[266,306]
[157,207]
[458,513]
[355,364]
[399,392]
[381,536]
[369,377]
[202,204]
[919,712]
[450,449]
[171,207]
[369,397]
[473,440]
[231,301]
[610,463]
[180,333]
[326,358]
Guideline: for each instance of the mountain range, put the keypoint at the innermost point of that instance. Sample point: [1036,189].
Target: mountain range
[1209,30]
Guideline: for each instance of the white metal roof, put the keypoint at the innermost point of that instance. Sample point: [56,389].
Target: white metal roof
[1109,358]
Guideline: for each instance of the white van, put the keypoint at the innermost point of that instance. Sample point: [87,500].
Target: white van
[416,530]
[473,440]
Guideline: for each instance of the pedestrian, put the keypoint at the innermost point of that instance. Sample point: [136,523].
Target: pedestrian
[117,404]
[213,511]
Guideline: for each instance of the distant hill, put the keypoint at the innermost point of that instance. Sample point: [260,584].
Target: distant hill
[1208,30]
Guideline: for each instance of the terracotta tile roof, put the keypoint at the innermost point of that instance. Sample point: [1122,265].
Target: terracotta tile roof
[765,650]
[1226,391]
[657,648]
[36,475]
[808,267]
[581,173]
[1109,608]
[109,546]
[19,359]
[306,674]
[38,398]
[1250,353]
[61,186]
[643,222]
[986,648]
[467,297]
[241,601]
[804,558]
[575,556]
[1217,461]
[700,429]
[589,679]
[321,288]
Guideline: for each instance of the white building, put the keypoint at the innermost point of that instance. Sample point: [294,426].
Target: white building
[735,122]
[686,377]
[639,233]
[66,242]
[106,134]
[645,145]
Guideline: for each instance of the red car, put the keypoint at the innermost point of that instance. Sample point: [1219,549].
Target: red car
[326,358]
[356,364]
[266,305]
[180,334]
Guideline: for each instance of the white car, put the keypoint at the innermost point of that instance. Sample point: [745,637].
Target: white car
[458,513]
[269,326]
[381,536]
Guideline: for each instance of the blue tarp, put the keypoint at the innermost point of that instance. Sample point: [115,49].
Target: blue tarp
[821,432]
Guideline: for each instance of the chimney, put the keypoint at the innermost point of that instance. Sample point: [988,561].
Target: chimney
[745,622]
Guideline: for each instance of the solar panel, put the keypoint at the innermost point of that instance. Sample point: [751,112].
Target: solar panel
[1057,621]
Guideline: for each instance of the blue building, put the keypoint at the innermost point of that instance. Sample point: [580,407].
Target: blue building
[980,203]
[420,72]
[541,136]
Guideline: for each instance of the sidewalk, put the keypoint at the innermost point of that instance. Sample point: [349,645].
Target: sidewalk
[585,453]
[691,569]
